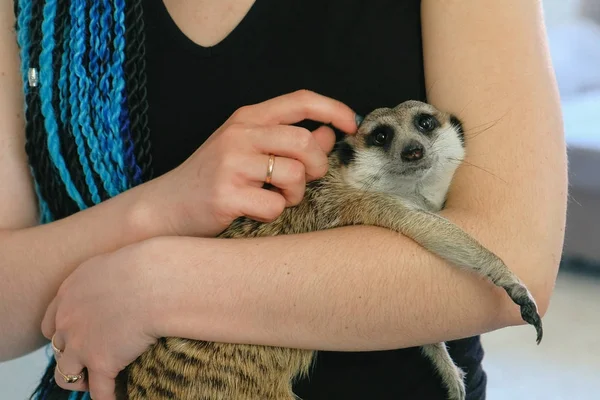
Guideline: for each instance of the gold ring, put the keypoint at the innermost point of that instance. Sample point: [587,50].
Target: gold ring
[57,352]
[69,378]
[270,169]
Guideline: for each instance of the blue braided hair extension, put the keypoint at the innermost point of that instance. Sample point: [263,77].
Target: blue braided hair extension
[46,86]
[94,135]
[87,136]
[73,142]
[117,98]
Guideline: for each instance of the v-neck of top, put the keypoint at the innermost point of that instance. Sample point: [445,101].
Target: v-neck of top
[252,22]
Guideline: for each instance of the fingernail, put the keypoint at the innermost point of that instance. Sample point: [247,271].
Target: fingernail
[359,119]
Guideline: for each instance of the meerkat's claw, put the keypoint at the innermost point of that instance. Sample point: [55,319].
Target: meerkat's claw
[529,311]
[530,315]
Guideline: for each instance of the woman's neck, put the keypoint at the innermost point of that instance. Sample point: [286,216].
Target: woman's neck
[208,22]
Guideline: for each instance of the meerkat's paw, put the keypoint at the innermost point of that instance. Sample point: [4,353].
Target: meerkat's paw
[529,310]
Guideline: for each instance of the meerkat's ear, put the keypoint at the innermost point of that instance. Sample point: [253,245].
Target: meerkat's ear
[344,152]
[457,124]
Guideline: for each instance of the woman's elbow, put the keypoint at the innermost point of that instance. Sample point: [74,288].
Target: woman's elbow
[535,258]
[542,280]
[15,343]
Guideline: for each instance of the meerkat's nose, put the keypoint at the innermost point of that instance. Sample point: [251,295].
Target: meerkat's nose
[413,151]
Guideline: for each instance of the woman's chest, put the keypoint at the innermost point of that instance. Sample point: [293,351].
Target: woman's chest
[367,54]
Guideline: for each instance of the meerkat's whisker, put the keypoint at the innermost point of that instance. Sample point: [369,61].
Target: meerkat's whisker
[469,164]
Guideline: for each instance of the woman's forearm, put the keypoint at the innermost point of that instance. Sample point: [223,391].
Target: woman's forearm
[365,288]
[355,288]
[34,262]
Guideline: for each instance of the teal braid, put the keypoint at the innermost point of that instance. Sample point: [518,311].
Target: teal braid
[75,133]
[46,87]
[95,74]
[45,215]
[100,33]
[87,136]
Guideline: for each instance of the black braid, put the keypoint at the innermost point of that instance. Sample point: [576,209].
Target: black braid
[50,187]
[135,72]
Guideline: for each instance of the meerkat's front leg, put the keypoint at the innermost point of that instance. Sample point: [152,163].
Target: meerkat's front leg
[444,239]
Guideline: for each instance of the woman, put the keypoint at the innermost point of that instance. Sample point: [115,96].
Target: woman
[131,188]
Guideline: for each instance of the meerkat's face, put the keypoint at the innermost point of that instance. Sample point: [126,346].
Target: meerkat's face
[398,148]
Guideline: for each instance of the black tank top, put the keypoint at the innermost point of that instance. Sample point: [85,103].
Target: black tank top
[367,54]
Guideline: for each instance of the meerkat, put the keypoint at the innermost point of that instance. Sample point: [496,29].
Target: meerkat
[393,173]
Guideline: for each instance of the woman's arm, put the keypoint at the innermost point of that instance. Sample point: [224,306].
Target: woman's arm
[35,260]
[365,288]
[191,200]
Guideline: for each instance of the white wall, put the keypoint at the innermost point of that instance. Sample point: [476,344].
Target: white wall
[560,11]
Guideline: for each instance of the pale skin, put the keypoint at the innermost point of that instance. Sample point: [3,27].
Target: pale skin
[135,278]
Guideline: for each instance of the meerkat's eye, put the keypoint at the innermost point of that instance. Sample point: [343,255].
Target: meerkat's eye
[426,123]
[380,138]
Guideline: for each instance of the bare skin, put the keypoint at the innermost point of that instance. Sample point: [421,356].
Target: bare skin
[524,150]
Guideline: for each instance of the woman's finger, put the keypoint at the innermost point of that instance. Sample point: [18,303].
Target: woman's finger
[101,387]
[293,142]
[48,323]
[261,205]
[288,175]
[325,137]
[298,106]
[69,372]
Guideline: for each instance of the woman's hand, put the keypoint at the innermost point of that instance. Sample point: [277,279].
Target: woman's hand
[101,318]
[224,178]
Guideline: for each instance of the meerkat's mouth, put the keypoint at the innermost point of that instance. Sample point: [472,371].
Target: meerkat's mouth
[417,168]
[413,171]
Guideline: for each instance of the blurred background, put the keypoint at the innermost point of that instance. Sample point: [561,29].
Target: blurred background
[566,366]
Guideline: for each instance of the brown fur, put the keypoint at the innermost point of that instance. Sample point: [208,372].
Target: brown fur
[180,369]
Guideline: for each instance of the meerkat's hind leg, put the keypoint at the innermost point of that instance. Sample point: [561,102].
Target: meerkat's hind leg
[452,376]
